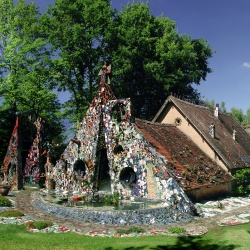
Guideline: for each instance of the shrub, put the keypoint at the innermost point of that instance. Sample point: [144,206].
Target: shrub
[40,224]
[11,213]
[5,202]
[177,230]
[243,180]
[111,199]
[131,230]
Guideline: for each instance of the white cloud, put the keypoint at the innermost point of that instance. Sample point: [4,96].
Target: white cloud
[246,64]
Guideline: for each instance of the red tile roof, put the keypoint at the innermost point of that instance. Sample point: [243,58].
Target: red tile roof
[235,153]
[190,166]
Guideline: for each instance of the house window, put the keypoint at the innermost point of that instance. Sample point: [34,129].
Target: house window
[178,121]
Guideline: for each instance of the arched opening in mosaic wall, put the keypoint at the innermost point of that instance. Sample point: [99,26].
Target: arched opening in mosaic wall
[104,181]
[118,112]
[11,170]
[79,168]
[127,178]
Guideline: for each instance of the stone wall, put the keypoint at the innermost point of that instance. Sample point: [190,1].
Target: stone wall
[207,193]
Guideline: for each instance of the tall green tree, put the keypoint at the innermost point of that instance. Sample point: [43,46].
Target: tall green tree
[248,116]
[223,107]
[76,29]
[238,115]
[151,60]
[26,81]
[210,103]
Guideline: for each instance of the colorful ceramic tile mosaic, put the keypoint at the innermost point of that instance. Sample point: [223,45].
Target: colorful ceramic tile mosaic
[32,173]
[12,161]
[109,152]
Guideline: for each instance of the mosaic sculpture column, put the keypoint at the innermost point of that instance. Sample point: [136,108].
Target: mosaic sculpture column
[12,162]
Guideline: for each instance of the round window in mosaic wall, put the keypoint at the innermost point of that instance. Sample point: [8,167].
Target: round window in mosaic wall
[127,177]
[118,149]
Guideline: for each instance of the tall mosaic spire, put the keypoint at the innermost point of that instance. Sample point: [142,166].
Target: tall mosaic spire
[12,162]
[33,171]
[105,92]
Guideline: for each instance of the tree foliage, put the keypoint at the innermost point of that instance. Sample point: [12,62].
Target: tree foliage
[242,178]
[26,83]
[209,103]
[238,115]
[248,116]
[65,47]
[76,29]
[150,59]
[26,76]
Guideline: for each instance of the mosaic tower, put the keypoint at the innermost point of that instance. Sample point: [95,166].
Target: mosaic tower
[12,167]
[109,153]
[33,170]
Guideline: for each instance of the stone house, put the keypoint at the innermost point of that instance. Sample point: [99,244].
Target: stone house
[217,134]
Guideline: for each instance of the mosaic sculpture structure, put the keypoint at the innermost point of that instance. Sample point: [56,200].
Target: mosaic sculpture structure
[33,172]
[109,153]
[12,165]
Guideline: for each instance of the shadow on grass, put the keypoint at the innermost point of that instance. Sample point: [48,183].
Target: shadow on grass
[196,243]
[186,243]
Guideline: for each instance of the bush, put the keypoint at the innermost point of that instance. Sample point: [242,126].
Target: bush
[131,230]
[11,213]
[242,178]
[177,230]
[40,224]
[111,199]
[5,202]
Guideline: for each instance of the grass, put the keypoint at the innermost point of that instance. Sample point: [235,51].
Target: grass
[221,238]
[176,230]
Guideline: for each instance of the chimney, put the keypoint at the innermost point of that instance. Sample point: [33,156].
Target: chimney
[216,111]
[212,130]
[234,134]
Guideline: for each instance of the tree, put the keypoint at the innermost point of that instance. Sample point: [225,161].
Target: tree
[26,81]
[76,29]
[248,116]
[150,60]
[223,107]
[238,115]
[209,103]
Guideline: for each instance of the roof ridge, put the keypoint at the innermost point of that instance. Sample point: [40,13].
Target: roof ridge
[155,123]
[197,105]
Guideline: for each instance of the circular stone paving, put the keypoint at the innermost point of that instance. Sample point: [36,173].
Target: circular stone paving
[164,215]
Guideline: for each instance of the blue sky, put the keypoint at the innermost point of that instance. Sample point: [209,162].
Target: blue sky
[225,24]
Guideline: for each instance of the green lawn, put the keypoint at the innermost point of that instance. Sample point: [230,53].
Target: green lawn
[221,238]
